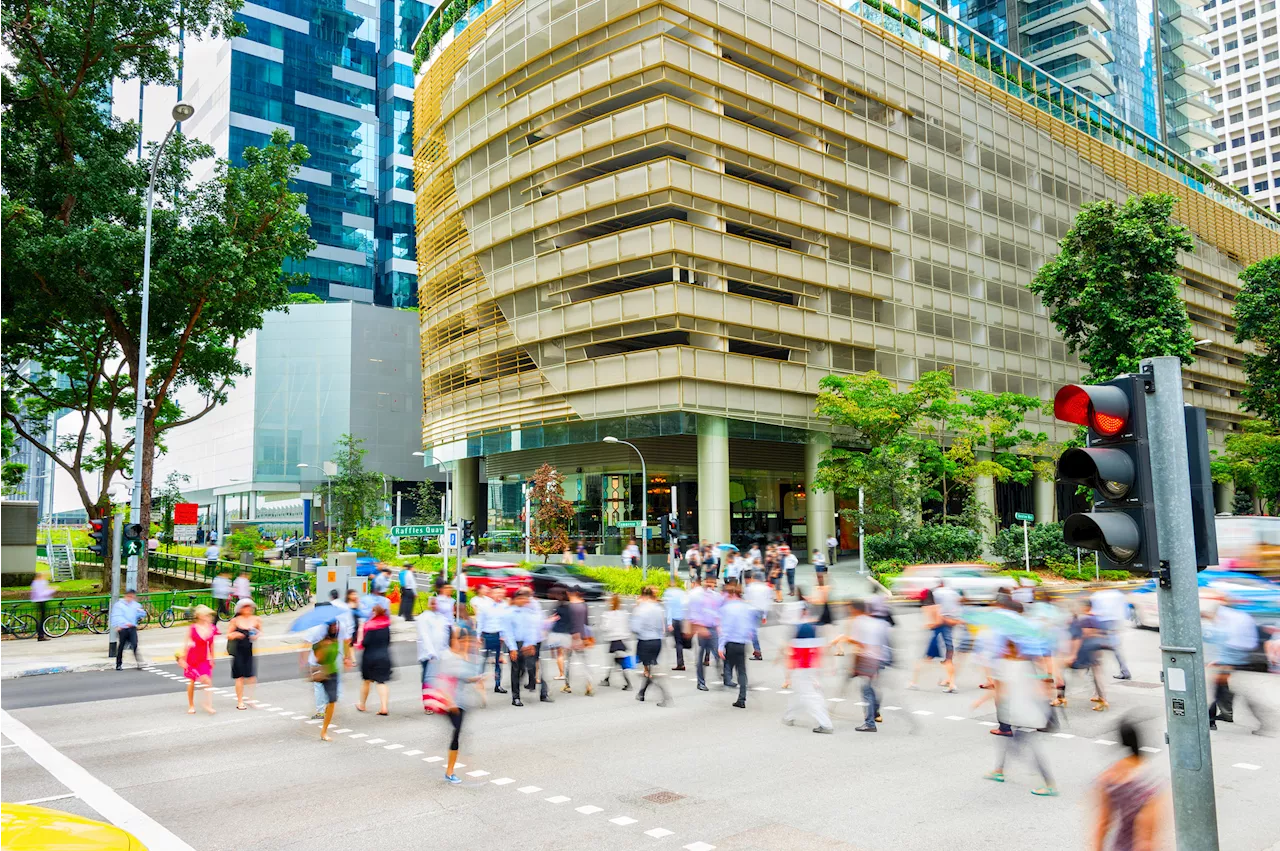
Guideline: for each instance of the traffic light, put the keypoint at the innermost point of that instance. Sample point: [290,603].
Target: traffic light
[133,540]
[468,526]
[1202,507]
[673,526]
[98,536]
[1116,464]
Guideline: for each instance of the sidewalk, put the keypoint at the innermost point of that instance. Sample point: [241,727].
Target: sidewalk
[28,657]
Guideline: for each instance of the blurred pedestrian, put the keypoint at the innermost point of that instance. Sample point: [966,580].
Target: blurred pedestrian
[789,564]
[737,627]
[1087,638]
[242,632]
[942,611]
[454,691]
[558,639]
[1022,703]
[1129,800]
[325,653]
[522,634]
[1108,606]
[756,595]
[693,562]
[241,588]
[443,604]
[615,628]
[408,591]
[125,615]
[804,664]
[489,613]
[648,623]
[430,643]
[375,661]
[346,629]
[869,636]
[221,592]
[833,548]
[676,603]
[197,658]
[579,636]
[819,562]
[704,618]
[631,555]
[1232,636]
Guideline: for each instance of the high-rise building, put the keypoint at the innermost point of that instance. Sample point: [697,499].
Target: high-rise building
[1246,87]
[667,222]
[1140,57]
[337,76]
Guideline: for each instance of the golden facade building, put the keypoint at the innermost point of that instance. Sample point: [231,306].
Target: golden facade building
[667,220]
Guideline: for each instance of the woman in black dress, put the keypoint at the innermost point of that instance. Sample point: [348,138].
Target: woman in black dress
[375,664]
[241,633]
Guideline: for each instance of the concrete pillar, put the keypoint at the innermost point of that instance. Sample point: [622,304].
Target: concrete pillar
[985,491]
[1224,497]
[713,479]
[253,505]
[466,488]
[820,506]
[221,516]
[1045,500]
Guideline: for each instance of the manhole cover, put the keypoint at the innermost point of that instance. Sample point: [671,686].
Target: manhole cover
[664,797]
[1136,684]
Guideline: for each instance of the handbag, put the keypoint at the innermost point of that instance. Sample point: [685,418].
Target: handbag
[628,662]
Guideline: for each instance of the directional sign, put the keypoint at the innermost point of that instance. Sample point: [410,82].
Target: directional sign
[629,524]
[417,531]
[453,539]
[1022,515]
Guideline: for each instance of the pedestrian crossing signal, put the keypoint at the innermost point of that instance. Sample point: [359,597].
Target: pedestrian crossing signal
[133,540]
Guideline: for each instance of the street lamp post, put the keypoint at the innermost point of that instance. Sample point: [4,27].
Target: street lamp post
[644,508]
[181,112]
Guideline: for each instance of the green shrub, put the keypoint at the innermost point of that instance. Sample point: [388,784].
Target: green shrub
[627,580]
[1115,575]
[933,543]
[243,541]
[1022,574]
[373,540]
[883,571]
[1045,543]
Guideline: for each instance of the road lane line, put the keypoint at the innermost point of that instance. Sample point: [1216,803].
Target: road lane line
[557,799]
[622,821]
[98,795]
[590,810]
[46,800]
[1247,766]
[657,832]
[529,790]
[1103,742]
[479,772]
[699,846]
[502,781]
[411,753]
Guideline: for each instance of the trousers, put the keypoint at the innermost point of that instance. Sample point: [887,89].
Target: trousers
[708,649]
[526,667]
[493,645]
[806,697]
[735,662]
[1023,738]
[127,635]
[677,632]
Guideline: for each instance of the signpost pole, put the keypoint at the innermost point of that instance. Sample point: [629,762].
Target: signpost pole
[117,544]
[528,521]
[1026,548]
[862,553]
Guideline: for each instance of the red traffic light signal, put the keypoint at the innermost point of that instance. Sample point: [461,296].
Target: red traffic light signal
[97,537]
[1102,407]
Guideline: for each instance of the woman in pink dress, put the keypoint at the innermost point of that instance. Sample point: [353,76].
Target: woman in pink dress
[197,658]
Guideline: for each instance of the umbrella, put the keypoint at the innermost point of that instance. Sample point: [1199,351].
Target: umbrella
[319,616]
[1029,636]
[728,547]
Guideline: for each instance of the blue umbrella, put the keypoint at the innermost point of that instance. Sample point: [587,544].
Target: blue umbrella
[728,547]
[319,616]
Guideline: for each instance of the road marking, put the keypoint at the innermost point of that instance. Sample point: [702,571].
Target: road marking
[1103,742]
[657,832]
[678,677]
[1149,750]
[46,800]
[411,753]
[375,741]
[529,790]
[590,810]
[784,691]
[919,712]
[1247,766]
[556,799]
[316,721]
[956,718]
[890,708]
[98,795]
[433,759]
[502,781]
[479,772]
[988,723]
[699,846]
[1064,735]
[301,717]
[275,709]
[343,730]
[622,821]
[835,700]
[761,688]
[359,735]
[392,747]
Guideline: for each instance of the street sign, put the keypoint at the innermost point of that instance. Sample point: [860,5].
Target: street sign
[453,538]
[629,524]
[417,531]
[1024,516]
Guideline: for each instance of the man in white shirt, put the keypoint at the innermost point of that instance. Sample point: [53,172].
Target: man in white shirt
[489,614]
[756,595]
[212,553]
[693,561]
[222,593]
[631,555]
[241,587]
[1109,606]
[833,548]
[733,568]
[790,562]
[408,592]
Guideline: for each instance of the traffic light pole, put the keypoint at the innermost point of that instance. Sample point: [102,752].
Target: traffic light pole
[1181,645]
[117,544]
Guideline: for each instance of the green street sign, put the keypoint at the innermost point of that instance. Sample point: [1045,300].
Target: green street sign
[504,533]
[1022,515]
[417,531]
[629,524]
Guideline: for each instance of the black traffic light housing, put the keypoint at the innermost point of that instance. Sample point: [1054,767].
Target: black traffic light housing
[673,526]
[468,527]
[98,536]
[1202,507]
[1116,464]
[134,541]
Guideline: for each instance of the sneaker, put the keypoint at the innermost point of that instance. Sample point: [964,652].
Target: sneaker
[640,697]
[866,728]
[664,703]
[318,715]
[739,704]
[703,687]
[756,657]
[822,729]
[453,778]
[499,690]
[1124,676]
[546,699]
[517,702]
[566,690]
[627,687]
[678,668]
[879,718]
[1266,734]
[790,722]
[1046,791]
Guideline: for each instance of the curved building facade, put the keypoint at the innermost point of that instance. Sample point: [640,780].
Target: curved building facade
[667,221]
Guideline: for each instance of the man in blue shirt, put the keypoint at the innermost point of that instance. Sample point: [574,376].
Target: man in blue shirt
[125,615]
[522,633]
[737,626]
[675,602]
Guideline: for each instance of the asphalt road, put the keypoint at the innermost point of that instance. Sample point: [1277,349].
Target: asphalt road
[604,771]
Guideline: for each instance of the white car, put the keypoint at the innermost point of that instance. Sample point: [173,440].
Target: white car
[976,583]
[1255,594]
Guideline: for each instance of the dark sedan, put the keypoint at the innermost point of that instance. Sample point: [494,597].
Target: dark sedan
[549,576]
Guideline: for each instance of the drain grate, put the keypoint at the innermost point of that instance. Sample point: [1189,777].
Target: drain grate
[664,797]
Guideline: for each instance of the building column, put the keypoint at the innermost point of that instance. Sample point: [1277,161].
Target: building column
[713,479]
[252,506]
[820,506]
[466,488]
[221,516]
[1224,497]
[984,489]
[1045,499]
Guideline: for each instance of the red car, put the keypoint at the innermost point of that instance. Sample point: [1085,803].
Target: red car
[504,575]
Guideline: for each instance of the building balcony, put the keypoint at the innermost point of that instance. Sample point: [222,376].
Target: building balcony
[1085,75]
[1194,134]
[1195,106]
[1089,13]
[1192,78]
[1187,19]
[1189,49]
[1081,41]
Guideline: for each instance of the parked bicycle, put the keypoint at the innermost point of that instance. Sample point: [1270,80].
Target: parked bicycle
[64,620]
[176,612]
[17,625]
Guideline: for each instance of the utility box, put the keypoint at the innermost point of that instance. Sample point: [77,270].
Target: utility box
[332,577]
[18,536]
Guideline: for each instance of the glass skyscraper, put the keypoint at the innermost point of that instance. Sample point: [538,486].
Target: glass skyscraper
[1139,57]
[336,74]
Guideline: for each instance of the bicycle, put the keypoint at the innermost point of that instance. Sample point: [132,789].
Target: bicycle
[295,598]
[171,614]
[64,620]
[17,625]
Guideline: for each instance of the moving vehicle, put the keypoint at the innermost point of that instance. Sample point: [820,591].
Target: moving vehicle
[1253,594]
[28,828]
[547,577]
[976,583]
[1249,543]
[505,575]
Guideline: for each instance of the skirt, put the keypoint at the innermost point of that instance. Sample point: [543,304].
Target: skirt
[648,649]
[242,662]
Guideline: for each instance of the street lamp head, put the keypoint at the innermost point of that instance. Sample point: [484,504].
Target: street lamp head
[419,454]
[182,111]
[610,439]
[300,466]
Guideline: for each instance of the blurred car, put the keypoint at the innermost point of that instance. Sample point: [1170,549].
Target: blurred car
[547,577]
[1253,594]
[28,828]
[367,565]
[503,575]
[975,583]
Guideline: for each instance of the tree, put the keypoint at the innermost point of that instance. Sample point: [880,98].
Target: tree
[1242,502]
[426,504]
[551,513]
[884,424]
[357,492]
[1251,459]
[169,496]
[305,298]
[1257,314]
[73,208]
[1112,291]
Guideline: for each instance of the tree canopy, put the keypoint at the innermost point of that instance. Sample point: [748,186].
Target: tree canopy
[357,492]
[1257,314]
[1112,291]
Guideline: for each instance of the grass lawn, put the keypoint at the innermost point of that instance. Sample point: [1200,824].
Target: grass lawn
[70,588]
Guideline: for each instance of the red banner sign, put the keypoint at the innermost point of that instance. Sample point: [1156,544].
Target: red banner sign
[186,514]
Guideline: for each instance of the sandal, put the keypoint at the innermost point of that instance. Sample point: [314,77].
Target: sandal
[1101,706]
[242,706]
[1045,792]
[997,776]
[383,713]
